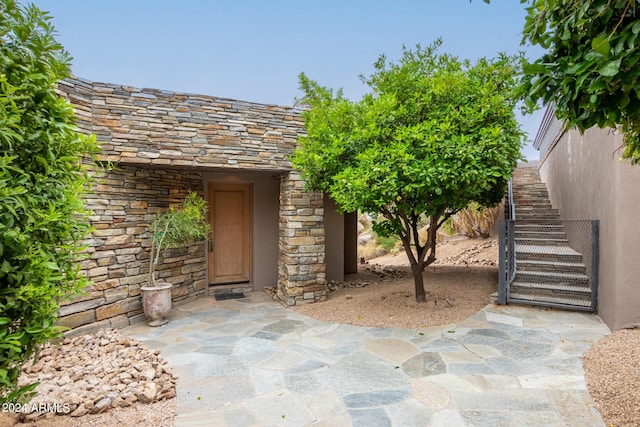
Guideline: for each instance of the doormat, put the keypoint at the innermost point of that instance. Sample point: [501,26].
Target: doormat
[233,295]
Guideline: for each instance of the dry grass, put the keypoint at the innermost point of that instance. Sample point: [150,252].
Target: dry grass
[474,221]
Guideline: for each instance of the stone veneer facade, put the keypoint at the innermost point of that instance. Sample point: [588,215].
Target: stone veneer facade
[158,144]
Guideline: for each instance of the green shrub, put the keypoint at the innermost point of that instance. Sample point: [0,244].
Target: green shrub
[177,227]
[387,242]
[42,179]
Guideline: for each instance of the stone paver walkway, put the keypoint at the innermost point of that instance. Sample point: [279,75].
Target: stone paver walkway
[252,362]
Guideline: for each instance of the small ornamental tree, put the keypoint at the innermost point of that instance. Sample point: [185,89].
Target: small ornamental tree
[434,134]
[42,179]
[177,227]
[591,69]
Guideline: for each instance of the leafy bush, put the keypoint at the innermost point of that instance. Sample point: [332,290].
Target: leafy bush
[42,179]
[177,227]
[590,65]
[387,242]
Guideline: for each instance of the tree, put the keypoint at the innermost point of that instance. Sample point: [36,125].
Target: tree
[591,69]
[434,134]
[42,178]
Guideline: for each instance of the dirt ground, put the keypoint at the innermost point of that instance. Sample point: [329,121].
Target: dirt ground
[458,285]
[385,296]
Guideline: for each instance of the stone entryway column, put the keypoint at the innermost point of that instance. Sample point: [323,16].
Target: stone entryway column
[301,254]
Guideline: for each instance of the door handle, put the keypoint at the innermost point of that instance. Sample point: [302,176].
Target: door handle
[210,245]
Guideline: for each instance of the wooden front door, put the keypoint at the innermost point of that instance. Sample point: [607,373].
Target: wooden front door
[229,244]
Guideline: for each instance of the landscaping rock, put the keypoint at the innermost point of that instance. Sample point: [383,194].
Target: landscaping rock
[90,374]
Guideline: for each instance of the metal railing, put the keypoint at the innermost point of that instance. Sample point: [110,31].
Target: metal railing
[506,259]
[557,263]
[506,248]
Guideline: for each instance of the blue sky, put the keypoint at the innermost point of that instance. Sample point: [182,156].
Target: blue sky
[254,50]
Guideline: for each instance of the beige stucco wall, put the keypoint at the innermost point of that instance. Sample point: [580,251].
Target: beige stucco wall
[586,180]
[264,222]
[334,240]
[341,233]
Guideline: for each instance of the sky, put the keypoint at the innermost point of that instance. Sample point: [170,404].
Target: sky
[254,50]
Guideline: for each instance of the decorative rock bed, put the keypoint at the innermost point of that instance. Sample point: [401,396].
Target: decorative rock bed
[92,373]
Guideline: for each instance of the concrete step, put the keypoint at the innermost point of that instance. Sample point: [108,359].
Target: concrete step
[552,277]
[547,253]
[551,266]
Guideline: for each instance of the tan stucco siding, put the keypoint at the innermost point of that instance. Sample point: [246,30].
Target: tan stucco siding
[586,180]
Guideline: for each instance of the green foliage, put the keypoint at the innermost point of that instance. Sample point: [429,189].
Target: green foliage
[591,70]
[435,134]
[178,227]
[386,242]
[42,179]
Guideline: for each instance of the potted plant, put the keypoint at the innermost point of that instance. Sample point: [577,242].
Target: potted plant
[171,229]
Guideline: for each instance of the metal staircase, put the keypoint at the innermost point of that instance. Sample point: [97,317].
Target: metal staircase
[545,260]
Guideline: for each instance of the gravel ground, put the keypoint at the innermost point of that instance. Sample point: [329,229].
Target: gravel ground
[612,371]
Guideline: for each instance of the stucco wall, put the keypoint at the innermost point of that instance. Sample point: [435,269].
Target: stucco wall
[586,180]
[334,237]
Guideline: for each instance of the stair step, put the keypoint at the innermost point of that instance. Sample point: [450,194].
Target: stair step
[567,302]
[531,288]
[540,234]
[547,253]
[536,207]
[535,211]
[554,228]
[541,241]
[564,267]
[551,277]
[525,216]
[537,221]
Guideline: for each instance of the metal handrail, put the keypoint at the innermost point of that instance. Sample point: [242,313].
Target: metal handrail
[507,253]
[512,205]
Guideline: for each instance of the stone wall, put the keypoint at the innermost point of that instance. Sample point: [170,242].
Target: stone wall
[163,128]
[161,143]
[124,201]
[301,261]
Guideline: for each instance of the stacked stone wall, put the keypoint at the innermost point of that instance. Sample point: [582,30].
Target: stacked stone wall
[161,142]
[301,259]
[123,203]
[148,126]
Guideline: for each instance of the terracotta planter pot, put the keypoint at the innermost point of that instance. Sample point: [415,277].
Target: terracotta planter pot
[156,303]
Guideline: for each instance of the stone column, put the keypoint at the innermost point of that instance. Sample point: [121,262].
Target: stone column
[301,255]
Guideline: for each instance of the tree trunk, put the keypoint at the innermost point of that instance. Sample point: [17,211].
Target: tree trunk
[416,269]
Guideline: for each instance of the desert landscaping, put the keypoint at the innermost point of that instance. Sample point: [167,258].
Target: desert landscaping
[380,294]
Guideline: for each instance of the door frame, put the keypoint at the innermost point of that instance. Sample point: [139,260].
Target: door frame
[247,190]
